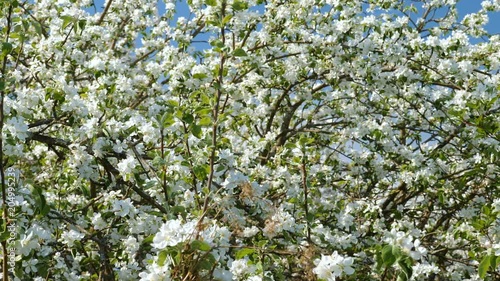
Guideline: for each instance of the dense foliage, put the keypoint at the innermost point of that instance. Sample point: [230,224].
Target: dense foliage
[250,140]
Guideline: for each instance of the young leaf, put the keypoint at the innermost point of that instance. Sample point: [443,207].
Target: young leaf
[405,265]
[38,27]
[239,53]
[199,75]
[211,2]
[240,5]
[67,20]
[217,43]
[196,130]
[494,260]
[484,266]
[207,263]
[387,255]
[6,48]
[200,245]
[205,121]
[188,118]
[226,19]
[4,236]
[162,257]
[244,252]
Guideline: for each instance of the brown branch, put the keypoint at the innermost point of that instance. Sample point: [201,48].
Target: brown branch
[120,28]
[447,85]
[306,191]
[215,126]
[401,189]
[449,138]
[137,60]
[103,15]
[26,12]
[148,198]
[49,140]
[41,122]
[200,25]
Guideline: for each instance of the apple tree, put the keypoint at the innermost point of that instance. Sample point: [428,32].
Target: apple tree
[249,140]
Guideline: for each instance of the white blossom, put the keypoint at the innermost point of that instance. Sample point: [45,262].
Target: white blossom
[69,237]
[172,233]
[333,266]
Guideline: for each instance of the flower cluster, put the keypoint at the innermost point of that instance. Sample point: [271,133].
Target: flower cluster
[333,266]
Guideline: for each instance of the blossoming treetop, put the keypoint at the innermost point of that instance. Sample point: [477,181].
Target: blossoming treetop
[251,140]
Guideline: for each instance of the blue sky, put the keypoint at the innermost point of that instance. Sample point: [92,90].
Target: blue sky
[469,6]
[464,7]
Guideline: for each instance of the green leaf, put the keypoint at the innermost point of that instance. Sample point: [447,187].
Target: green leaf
[188,118]
[205,121]
[67,20]
[484,266]
[387,255]
[59,96]
[244,252]
[207,263]
[205,98]
[199,75]
[178,210]
[310,217]
[149,239]
[239,52]
[405,265]
[396,251]
[196,130]
[203,111]
[41,203]
[43,268]
[201,172]
[217,43]
[6,48]
[211,2]
[379,261]
[4,236]
[486,210]
[213,23]
[441,197]
[38,27]
[226,19]
[494,261]
[162,257]
[240,5]
[159,161]
[82,24]
[402,277]
[262,243]
[85,190]
[173,103]
[26,25]
[167,119]
[200,245]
